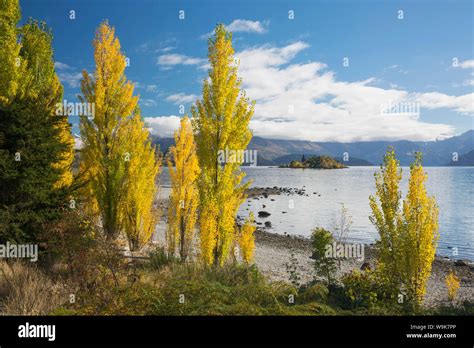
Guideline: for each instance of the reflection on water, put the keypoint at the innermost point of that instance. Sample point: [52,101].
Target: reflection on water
[453,188]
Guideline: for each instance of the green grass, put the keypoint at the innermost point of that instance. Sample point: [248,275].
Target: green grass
[166,287]
[231,290]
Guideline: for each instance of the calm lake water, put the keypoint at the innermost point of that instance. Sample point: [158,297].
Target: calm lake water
[453,188]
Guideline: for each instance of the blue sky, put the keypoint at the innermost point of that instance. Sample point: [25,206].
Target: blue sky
[421,64]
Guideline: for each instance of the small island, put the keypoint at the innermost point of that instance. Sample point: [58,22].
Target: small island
[316,162]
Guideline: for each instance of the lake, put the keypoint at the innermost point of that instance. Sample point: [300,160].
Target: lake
[453,188]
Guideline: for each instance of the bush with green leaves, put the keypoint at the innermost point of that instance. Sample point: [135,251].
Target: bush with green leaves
[367,289]
[314,292]
[324,264]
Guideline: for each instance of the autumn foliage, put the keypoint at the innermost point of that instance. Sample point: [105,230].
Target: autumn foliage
[408,230]
[453,282]
[119,162]
[220,122]
[247,239]
[184,198]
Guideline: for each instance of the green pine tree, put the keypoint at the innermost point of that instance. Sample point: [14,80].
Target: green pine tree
[33,139]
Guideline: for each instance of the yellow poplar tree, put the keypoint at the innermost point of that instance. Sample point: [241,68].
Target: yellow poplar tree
[419,234]
[142,167]
[220,122]
[184,198]
[118,159]
[247,239]
[408,232]
[386,216]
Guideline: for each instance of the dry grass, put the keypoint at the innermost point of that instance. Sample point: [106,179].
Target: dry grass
[25,290]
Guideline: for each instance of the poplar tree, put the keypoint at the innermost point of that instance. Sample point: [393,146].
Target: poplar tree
[36,146]
[419,233]
[220,122]
[139,210]
[386,217]
[408,230]
[184,198]
[118,160]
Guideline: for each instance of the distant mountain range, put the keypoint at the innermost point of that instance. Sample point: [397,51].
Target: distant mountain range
[435,153]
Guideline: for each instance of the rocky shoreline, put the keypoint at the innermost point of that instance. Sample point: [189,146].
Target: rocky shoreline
[273,252]
[264,192]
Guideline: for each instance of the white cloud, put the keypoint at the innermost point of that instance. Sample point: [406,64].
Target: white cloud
[61,66]
[165,49]
[271,56]
[178,59]
[467,64]
[434,100]
[148,102]
[158,47]
[305,101]
[151,88]
[71,79]
[163,126]
[246,26]
[243,26]
[181,98]
[67,76]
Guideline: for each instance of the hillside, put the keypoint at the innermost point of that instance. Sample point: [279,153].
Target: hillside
[280,152]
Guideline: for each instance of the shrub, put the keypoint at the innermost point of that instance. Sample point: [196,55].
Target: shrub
[367,289]
[247,239]
[314,293]
[27,291]
[69,242]
[452,283]
[83,256]
[324,265]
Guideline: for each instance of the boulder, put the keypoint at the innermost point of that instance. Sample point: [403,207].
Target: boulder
[263,213]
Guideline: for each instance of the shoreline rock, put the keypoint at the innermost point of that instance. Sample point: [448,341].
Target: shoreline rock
[264,192]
